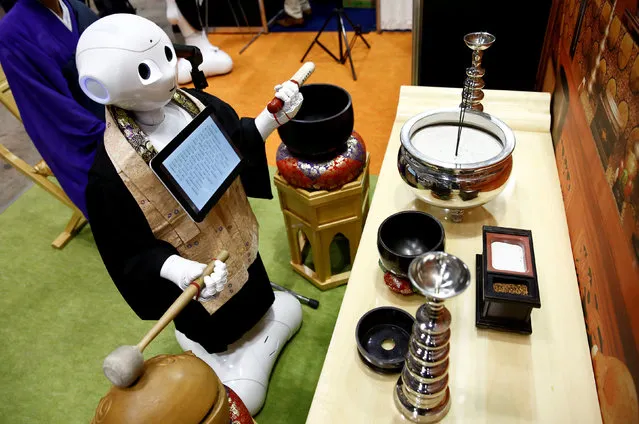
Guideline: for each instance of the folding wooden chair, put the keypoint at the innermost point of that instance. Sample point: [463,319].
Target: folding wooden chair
[40,173]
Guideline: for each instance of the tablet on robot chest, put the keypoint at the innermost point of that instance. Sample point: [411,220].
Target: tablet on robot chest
[199,165]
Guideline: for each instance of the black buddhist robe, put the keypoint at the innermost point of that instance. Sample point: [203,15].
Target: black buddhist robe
[133,256]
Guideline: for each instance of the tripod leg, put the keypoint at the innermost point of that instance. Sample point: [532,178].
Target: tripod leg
[358,32]
[316,37]
[268,26]
[340,30]
[348,49]
[255,37]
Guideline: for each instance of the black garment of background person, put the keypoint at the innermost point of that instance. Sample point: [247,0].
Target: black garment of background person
[7,4]
[110,7]
[192,12]
[133,256]
[105,7]
[222,13]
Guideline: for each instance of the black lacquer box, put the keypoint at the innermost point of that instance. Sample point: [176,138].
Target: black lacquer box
[507,289]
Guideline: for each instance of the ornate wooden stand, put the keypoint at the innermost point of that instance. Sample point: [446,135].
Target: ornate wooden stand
[320,216]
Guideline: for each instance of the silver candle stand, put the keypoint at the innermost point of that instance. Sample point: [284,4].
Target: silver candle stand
[477,42]
[421,393]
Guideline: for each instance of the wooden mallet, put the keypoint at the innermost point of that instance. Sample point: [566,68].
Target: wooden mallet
[124,365]
[299,78]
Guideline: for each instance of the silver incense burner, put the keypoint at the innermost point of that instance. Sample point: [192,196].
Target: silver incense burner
[429,161]
[421,393]
[450,184]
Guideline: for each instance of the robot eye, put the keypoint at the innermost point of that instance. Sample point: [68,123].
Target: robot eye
[168,53]
[144,71]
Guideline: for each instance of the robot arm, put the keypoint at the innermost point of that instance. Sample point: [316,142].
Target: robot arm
[289,93]
[182,271]
[286,104]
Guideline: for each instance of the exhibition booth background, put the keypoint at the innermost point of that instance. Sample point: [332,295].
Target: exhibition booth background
[511,63]
[591,64]
[59,309]
[380,15]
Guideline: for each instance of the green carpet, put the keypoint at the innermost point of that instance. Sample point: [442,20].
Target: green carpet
[61,314]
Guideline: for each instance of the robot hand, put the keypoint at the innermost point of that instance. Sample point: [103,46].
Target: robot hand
[289,93]
[182,271]
[215,282]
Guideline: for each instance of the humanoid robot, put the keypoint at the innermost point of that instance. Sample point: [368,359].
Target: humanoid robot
[186,15]
[151,249]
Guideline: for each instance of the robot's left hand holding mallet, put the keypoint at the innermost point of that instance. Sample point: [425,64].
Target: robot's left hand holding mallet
[125,364]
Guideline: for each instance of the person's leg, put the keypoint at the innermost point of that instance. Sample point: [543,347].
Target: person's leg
[293,8]
[294,16]
[306,7]
[186,16]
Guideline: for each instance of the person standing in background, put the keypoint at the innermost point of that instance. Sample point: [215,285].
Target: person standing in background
[295,11]
[38,39]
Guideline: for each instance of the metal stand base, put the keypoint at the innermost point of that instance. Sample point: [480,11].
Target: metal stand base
[345,47]
[456,215]
[419,415]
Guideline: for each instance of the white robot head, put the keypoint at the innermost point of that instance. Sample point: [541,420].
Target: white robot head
[127,61]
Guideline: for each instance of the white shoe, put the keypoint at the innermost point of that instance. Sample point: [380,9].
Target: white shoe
[215,61]
[184,71]
[247,364]
[173,14]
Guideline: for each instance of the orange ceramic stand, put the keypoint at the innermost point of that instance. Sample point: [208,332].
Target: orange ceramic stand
[39,173]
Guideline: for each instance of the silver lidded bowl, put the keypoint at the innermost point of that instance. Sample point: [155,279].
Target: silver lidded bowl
[426,160]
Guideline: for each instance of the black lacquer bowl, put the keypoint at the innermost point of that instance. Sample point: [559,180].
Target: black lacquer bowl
[404,236]
[382,338]
[323,124]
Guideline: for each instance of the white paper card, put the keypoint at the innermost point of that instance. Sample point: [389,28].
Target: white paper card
[508,257]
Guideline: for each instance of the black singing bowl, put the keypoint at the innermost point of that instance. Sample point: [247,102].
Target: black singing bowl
[382,337]
[406,235]
[323,124]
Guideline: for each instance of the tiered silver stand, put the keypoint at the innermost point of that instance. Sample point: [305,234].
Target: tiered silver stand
[477,42]
[421,393]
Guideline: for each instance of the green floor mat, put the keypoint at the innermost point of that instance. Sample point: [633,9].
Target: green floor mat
[61,314]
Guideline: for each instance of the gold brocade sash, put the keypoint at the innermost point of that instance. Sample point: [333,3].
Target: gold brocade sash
[230,225]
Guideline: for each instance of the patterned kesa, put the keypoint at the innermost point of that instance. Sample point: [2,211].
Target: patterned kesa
[230,225]
[134,134]
[323,174]
[239,414]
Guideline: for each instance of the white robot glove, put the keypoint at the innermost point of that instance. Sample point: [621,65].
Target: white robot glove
[215,282]
[183,271]
[289,93]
